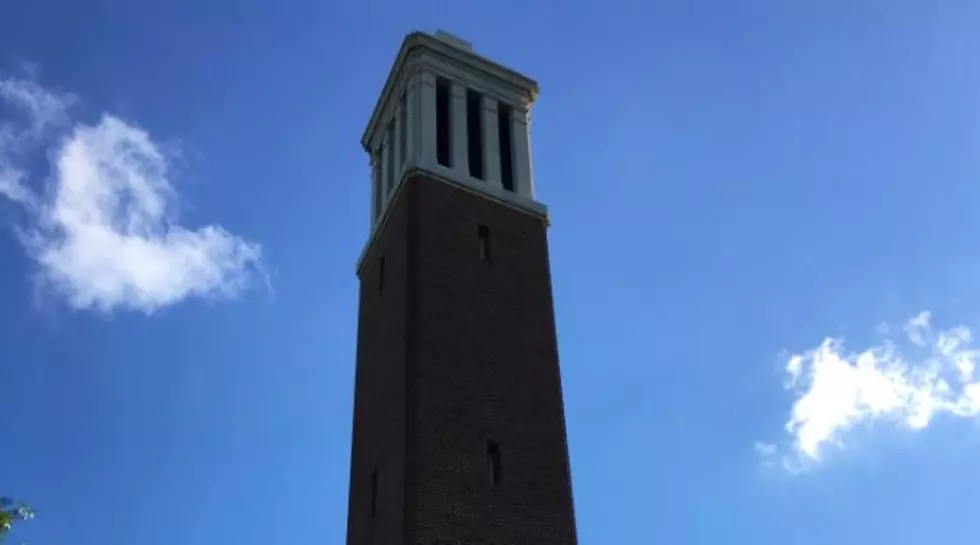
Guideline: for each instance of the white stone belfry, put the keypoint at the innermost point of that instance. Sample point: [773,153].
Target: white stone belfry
[439,95]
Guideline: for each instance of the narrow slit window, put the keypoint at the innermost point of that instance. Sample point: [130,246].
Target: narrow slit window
[494,463]
[374,493]
[403,131]
[381,272]
[443,151]
[474,133]
[506,149]
[483,233]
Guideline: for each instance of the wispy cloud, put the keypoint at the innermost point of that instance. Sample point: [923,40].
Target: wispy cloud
[906,382]
[104,233]
[765,449]
[917,328]
[31,112]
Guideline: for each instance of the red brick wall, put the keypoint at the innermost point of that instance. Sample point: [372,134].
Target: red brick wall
[477,351]
[380,389]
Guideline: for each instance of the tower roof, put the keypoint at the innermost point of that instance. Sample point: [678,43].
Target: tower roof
[450,54]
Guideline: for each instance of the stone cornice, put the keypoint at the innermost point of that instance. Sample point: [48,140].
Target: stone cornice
[420,50]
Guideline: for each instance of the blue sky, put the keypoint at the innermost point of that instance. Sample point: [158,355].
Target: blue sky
[764,250]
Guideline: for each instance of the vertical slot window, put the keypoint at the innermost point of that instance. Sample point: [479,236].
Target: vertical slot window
[474,133]
[494,463]
[506,147]
[483,234]
[374,493]
[443,123]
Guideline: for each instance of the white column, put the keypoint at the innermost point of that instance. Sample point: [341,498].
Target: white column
[396,141]
[427,120]
[411,118]
[491,142]
[392,139]
[385,158]
[457,117]
[520,140]
[375,188]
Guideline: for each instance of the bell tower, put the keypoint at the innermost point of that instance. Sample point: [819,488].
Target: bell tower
[459,427]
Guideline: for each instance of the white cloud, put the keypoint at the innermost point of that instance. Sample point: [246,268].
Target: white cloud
[917,328]
[765,449]
[883,328]
[105,234]
[836,390]
[12,186]
[37,111]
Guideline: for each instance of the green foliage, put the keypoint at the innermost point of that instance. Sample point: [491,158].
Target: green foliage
[11,512]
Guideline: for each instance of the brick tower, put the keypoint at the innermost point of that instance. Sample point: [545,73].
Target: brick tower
[459,427]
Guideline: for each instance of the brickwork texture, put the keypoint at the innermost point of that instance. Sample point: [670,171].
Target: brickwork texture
[456,351]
